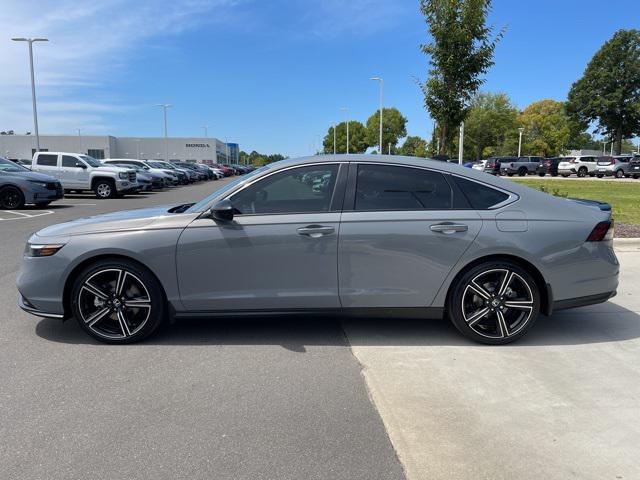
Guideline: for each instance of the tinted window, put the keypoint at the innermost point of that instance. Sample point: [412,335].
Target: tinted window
[48,160]
[68,161]
[299,190]
[481,197]
[384,187]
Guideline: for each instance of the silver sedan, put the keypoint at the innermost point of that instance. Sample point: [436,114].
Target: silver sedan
[350,235]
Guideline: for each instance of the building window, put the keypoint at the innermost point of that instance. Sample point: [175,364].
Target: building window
[96,153]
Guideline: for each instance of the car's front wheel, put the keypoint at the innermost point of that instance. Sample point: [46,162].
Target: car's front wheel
[495,302]
[117,301]
[11,198]
[105,189]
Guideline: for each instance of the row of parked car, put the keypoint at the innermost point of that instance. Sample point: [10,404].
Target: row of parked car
[50,175]
[618,166]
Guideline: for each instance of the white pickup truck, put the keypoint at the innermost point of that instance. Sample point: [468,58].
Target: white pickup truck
[80,172]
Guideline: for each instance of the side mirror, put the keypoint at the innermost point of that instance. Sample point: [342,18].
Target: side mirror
[222,210]
[80,165]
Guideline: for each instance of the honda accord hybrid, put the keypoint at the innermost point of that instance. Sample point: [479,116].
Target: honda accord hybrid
[344,234]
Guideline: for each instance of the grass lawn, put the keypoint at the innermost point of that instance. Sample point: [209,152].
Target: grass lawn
[624,197]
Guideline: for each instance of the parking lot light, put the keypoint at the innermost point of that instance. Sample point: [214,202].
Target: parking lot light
[520,130]
[164,107]
[346,110]
[30,41]
[379,79]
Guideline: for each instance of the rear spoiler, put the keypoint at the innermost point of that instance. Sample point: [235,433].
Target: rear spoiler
[605,207]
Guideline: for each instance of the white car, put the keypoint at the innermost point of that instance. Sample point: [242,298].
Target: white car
[168,177]
[81,172]
[479,165]
[581,166]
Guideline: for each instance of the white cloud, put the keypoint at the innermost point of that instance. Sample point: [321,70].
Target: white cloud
[85,38]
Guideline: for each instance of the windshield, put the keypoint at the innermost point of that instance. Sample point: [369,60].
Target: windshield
[9,166]
[92,162]
[198,207]
[167,165]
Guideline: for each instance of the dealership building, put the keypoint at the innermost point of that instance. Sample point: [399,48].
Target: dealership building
[189,149]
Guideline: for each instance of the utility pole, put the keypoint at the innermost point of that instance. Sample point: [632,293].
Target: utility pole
[334,138]
[461,144]
[164,107]
[30,41]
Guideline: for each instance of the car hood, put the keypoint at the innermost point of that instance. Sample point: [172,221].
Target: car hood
[109,222]
[41,177]
[112,169]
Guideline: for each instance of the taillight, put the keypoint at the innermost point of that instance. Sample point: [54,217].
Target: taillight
[602,231]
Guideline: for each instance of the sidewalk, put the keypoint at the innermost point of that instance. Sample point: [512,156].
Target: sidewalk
[560,403]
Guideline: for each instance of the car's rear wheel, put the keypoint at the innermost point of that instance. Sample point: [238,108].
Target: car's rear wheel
[582,172]
[619,174]
[117,301]
[495,303]
[11,198]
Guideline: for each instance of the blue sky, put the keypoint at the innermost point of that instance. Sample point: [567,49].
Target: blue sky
[269,75]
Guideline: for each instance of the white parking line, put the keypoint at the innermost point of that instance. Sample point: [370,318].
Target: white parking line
[22,215]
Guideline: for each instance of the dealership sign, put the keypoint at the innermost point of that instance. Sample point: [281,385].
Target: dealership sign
[197,145]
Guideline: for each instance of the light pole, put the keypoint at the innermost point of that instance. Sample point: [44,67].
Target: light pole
[520,130]
[461,144]
[379,79]
[346,110]
[137,140]
[33,83]
[206,131]
[79,141]
[164,107]
[334,138]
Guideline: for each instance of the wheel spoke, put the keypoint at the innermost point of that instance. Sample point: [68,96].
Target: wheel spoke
[96,317]
[122,275]
[520,305]
[136,303]
[95,291]
[508,278]
[502,324]
[123,324]
[476,317]
[479,290]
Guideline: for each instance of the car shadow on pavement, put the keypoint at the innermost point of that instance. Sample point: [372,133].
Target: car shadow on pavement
[597,324]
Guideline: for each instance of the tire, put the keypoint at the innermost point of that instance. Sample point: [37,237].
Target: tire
[105,189]
[499,324]
[509,174]
[522,171]
[117,301]
[582,172]
[565,175]
[635,177]
[619,174]
[541,174]
[11,198]
[600,176]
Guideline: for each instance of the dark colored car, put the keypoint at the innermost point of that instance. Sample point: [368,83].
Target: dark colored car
[493,164]
[634,167]
[549,166]
[19,185]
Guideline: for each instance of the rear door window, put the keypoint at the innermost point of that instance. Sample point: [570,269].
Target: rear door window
[389,187]
[47,160]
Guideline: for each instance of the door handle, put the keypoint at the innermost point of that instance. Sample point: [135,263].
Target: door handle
[448,228]
[315,231]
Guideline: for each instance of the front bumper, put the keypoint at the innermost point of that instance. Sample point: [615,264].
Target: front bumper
[25,305]
[124,186]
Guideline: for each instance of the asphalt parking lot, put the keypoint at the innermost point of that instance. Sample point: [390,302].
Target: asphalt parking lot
[314,398]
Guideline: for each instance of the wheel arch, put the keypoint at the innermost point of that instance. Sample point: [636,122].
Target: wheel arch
[546,294]
[96,179]
[73,275]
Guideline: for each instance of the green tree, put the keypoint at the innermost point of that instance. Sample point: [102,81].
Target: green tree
[414,147]
[393,128]
[608,93]
[548,129]
[357,138]
[491,118]
[461,51]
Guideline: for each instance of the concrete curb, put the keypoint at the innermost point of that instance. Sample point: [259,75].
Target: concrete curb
[627,244]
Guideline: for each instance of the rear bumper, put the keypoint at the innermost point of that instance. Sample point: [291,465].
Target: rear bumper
[583,301]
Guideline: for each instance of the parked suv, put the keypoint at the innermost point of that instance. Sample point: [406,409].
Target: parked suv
[634,167]
[521,166]
[167,176]
[549,166]
[19,185]
[617,166]
[81,172]
[492,164]
[581,165]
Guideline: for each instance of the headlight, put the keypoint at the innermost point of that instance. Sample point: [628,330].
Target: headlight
[42,250]
[40,184]
[123,175]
